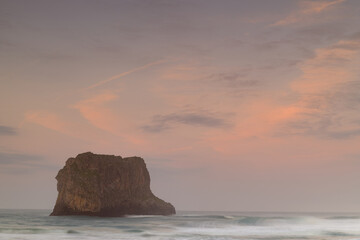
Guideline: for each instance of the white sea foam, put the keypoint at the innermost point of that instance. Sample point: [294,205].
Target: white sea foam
[31,225]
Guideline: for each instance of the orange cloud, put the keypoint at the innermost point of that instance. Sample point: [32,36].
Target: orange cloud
[263,118]
[310,7]
[307,8]
[330,67]
[323,76]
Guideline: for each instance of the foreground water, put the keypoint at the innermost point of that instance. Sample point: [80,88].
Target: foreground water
[36,224]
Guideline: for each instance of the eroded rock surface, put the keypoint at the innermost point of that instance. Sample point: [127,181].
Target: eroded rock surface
[107,185]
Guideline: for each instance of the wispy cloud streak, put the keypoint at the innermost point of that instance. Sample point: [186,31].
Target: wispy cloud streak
[116,77]
[307,8]
[163,122]
[8,131]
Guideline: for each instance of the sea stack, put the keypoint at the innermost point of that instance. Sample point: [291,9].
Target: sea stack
[107,186]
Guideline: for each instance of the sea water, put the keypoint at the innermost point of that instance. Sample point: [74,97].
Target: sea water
[37,224]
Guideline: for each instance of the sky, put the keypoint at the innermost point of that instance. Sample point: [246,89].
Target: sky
[248,105]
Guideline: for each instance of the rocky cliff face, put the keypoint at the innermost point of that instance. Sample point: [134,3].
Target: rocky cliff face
[107,185]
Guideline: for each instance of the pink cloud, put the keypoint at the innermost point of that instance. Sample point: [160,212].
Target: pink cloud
[48,120]
[98,113]
[56,123]
[95,111]
[264,117]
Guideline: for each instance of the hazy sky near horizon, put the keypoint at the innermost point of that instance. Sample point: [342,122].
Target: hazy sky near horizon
[234,105]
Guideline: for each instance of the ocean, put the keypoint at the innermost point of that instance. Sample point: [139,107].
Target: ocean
[38,225]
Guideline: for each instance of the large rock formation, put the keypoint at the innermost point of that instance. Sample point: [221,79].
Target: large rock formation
[106,185]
